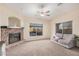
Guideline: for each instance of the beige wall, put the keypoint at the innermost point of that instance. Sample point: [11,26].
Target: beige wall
[6,12]
[46,28]
[14,22]
[72,15]
[49,26]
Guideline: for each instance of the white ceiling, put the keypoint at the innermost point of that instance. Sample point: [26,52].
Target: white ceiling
[30,9]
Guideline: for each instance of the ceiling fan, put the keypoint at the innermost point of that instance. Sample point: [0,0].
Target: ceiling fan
[42,11]
[45,12]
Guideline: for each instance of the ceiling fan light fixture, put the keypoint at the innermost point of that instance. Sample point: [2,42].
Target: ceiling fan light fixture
[42,15]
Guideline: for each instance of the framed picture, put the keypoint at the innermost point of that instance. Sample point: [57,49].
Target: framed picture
[36,29]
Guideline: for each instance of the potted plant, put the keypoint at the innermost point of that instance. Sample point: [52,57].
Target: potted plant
[77,40]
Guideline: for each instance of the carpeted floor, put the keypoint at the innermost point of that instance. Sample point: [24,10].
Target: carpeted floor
[41,48]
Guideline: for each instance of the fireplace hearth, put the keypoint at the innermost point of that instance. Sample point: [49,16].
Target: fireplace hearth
[14,37]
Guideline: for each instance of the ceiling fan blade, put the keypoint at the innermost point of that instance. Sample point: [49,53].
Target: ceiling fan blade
[47,11]
[59,4]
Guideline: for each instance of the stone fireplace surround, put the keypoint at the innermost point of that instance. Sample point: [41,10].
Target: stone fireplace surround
[6,31]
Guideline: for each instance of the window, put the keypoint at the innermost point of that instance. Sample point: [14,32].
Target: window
[36,29]
[65,27]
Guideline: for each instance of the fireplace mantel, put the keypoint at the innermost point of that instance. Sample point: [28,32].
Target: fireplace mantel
[16,27]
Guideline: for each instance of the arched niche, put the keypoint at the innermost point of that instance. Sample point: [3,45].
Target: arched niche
[14,22]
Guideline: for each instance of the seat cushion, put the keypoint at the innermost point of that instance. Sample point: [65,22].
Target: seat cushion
[59,35]
[63,42]
[56,38]
[67,38]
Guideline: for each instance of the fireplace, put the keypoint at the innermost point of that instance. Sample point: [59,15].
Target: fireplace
[14,37]
[11,35]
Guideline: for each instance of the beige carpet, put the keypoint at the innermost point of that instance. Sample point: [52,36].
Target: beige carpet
[41,48]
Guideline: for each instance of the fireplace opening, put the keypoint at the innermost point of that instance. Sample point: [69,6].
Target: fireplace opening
[14,37]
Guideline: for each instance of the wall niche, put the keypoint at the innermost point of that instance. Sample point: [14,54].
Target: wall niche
[14,22]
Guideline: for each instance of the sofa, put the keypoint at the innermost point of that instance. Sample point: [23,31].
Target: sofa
[66,40]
